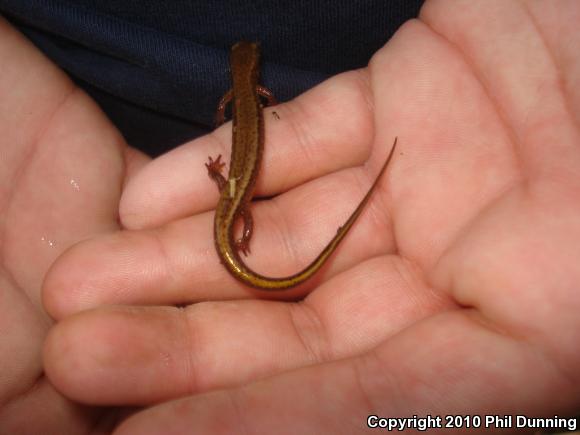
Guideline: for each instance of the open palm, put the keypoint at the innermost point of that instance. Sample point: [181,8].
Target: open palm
[456,292]
[61,170]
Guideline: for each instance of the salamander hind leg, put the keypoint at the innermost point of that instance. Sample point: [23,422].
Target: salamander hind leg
[243,243]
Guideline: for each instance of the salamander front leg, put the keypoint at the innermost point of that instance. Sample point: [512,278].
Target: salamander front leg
[220,115]
[214,171]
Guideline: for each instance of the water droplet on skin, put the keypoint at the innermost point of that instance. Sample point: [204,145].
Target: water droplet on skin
[48,242]
[166,357]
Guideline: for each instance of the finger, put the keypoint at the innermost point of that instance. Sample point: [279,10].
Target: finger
[409,375]
[176,185]
[178,263]
[143,355]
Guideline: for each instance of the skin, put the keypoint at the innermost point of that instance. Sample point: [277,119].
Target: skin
[236,191]
[462,298]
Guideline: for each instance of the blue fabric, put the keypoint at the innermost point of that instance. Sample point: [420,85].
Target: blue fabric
[158,68]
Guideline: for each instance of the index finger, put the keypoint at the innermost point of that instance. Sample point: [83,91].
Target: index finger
[176,185]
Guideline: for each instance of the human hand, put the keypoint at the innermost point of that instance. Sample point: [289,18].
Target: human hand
[62,168]
[456,292]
